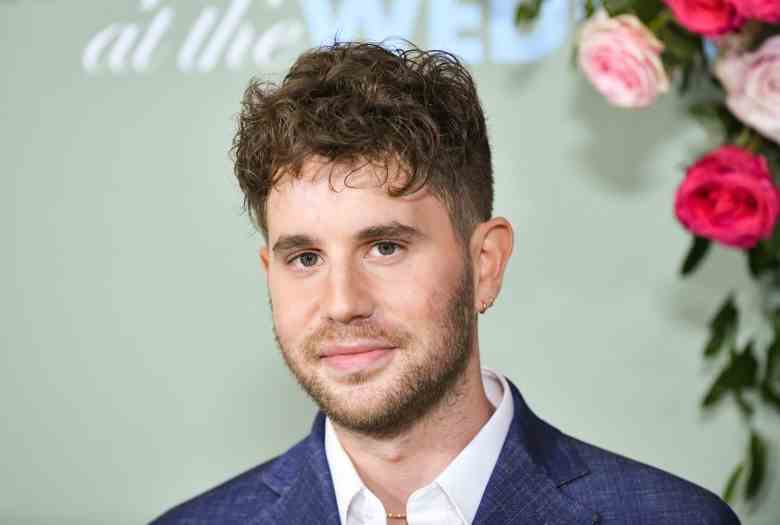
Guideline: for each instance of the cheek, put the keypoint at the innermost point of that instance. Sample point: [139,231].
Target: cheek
[423,292]
[292,310]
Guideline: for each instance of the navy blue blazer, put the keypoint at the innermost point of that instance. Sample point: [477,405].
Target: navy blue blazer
[542,477]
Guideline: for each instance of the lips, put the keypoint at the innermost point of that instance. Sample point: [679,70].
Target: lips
[356,347]
[356,356]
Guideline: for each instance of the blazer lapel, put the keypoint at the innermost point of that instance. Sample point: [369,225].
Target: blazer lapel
[302,478]
[524,487]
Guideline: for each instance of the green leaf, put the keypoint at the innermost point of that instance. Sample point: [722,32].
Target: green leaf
[685,83]
[738,374]
[722,327]
[770,396]
[617,7]
[744,406]
[772,153]
[772,245]
[715,114]
[757,456]
[753,262]
[706,111]
[590,9]
[679,45]
[647,10]
[760,260]
[731,484]
[699,248]
[733,127]
[527,11]
[772,371]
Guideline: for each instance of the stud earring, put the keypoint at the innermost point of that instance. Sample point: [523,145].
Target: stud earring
[484,306]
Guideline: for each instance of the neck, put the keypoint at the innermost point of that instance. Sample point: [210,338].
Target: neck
[393,468]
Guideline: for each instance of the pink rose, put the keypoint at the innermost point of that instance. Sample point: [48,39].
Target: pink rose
[622,59]
[707,17]
[729,196]
[752,84]
[764,10]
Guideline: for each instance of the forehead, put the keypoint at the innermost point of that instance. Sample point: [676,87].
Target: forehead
[335,199]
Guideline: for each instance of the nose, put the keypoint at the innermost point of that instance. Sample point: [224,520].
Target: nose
[347,296]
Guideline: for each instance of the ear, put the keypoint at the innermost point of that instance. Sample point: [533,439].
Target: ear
[264,258]
[491,246]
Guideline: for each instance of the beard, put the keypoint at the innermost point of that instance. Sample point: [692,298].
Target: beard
[427,369]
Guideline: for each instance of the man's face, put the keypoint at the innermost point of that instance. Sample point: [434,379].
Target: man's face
[372,296]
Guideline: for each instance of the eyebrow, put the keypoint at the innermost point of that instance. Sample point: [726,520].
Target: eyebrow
[393,229]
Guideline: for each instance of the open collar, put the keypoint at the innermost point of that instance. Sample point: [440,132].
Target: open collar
[463,481]
[524,487]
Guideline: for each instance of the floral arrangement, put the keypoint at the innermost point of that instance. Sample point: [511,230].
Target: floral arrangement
[724,56]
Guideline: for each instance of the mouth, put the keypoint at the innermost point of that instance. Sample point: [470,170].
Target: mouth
[356,357]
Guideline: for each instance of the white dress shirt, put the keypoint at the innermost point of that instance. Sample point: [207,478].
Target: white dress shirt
[453,497]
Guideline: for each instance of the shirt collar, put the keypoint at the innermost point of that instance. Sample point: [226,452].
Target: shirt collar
[464,480]
[346,481]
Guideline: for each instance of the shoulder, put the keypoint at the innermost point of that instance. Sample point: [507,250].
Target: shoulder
[627,491]
[229,502]
[237,499]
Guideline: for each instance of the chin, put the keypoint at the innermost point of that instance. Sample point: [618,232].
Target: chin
[359,392]
[365,404]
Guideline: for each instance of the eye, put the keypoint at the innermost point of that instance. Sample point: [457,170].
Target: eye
[387,248]
[307,259]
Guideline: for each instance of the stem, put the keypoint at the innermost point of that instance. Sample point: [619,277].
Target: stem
[775,319]
[660,20]
[744,138]
[755,142]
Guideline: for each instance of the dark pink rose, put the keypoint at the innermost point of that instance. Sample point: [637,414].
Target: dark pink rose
[707,17]
[764,10]
[729,196]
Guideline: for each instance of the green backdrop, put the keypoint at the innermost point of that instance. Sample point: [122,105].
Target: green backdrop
[137,362]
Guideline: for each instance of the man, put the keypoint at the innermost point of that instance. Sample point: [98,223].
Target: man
[368,172]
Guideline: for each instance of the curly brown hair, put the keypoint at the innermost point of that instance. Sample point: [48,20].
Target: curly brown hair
[355,102]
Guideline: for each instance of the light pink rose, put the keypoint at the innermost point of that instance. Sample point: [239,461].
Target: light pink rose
[622,59]
[752,84]
[764,10]
[729,196]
